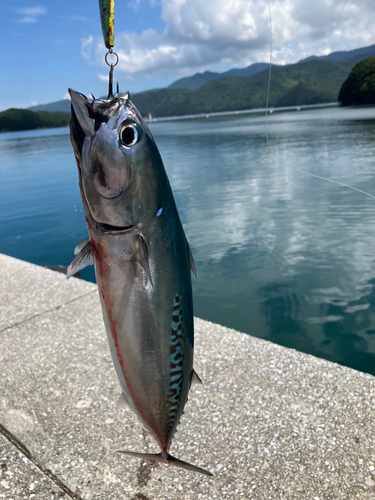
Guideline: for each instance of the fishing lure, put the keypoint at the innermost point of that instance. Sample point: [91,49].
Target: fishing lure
[107,18]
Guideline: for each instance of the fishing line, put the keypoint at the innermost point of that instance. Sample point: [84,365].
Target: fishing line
[342,184]
[269,71]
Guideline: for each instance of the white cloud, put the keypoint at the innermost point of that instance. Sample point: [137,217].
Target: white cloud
[200,34]
[67,96]
[81,19]
[30,14]
[134,4]
[105,78]
[86,48]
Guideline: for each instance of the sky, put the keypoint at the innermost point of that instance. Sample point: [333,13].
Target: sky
[49,46]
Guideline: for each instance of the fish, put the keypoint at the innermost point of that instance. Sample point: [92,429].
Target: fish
[143,263]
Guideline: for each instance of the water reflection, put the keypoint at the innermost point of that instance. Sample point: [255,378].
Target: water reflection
[279,255]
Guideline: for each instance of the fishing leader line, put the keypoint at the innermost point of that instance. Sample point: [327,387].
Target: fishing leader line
[342,184]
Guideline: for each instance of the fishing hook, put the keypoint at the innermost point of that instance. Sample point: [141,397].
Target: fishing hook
[111,66]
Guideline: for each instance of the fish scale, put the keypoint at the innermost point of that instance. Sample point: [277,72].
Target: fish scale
[142,262]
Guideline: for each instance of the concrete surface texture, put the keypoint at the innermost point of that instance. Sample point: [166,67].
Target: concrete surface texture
[269,422]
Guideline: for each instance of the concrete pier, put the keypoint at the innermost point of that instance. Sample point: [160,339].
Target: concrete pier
[269,422]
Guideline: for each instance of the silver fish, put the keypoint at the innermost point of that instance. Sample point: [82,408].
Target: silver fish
[142,263]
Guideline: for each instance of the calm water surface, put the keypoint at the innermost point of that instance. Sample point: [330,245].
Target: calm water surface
[279,255]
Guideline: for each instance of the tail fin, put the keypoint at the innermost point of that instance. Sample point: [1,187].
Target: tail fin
[158,457]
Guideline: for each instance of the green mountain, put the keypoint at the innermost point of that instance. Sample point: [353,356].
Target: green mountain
[312,82]
[307,92]
[158,101]
[23,119]
[195,81]
[199,79]
[63,106]
[359,87]
[353,56]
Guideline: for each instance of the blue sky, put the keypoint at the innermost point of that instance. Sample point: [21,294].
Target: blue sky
[43,43]
[49,45]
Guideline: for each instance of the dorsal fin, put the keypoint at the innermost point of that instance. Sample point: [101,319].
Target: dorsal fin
[83,111]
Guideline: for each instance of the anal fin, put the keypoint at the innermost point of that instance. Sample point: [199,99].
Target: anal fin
[195,378]
[122,402]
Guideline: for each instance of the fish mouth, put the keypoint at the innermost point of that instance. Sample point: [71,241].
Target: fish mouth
[108,229]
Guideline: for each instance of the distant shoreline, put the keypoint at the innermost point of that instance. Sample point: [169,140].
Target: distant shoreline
[204,115]
[17,120]
[29,129]
[269,110]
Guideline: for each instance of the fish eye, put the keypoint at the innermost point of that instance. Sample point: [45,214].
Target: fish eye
[129,135]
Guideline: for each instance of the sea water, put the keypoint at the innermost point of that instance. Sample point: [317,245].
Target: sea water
[279,255]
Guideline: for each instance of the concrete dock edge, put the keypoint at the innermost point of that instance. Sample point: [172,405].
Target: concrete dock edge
[269,422]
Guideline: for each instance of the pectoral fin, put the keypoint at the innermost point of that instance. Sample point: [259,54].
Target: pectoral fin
[79,247]
[83,259]
[142,258]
